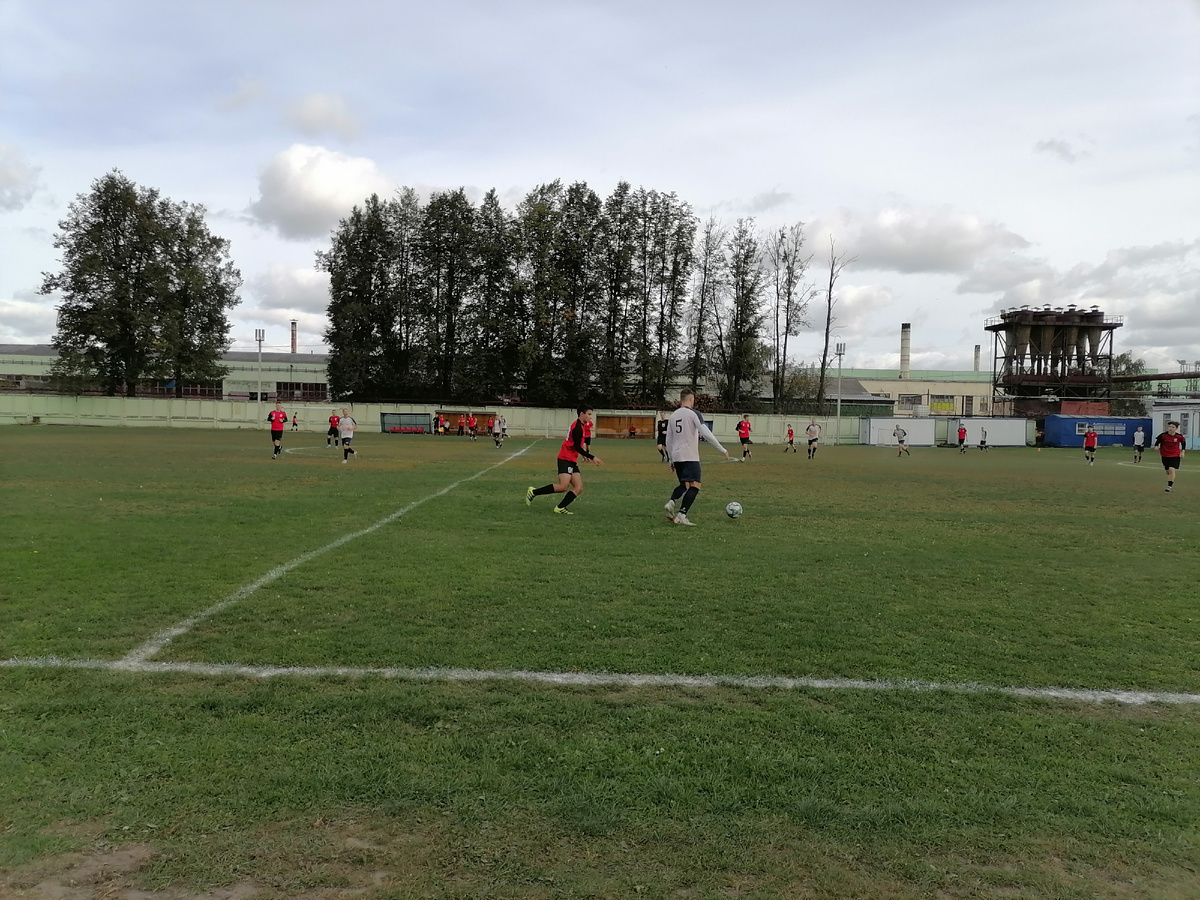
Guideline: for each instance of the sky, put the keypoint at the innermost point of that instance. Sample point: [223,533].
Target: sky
[967,157]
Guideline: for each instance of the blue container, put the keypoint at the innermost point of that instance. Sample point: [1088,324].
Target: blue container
[1068,431]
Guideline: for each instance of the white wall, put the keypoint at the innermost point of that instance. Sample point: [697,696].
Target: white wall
[1001,432]
[878,432]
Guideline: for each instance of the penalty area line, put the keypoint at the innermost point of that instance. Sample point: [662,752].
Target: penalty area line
[610,679]
[157,643]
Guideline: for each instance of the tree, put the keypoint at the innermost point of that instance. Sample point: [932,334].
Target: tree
[712,272]
[836,265]
[1125,364]
[789,301]
[145,289]
[741,352]
[449,260]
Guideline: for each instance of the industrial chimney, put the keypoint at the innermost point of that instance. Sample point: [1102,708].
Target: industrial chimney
[976,369]
[905,347]
[293,335]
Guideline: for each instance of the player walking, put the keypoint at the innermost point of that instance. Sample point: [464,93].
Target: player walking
[791,444]
[278,418]
[569,478]
[346,428]
[295,422]
[983,447]
[331,436]
[1171,447]
[473,427]
[684,430]
[1139,444]
[743,431]
[813,432]
[901,437]
[660,436]
[1090,439]
[962,439]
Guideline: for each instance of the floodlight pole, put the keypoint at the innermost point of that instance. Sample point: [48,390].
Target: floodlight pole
[839,351]
[260,335]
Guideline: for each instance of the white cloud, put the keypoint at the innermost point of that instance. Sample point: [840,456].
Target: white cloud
[27,318]
[18,178]
[855,309]
[305,190]
[930,240]
[319,114]
[283,287]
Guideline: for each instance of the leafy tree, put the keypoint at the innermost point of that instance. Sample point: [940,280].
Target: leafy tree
[448,255]
[712,267]
[619,225]
[495,316]
[1125,364]
[789,302]
[145,289]
[741,352]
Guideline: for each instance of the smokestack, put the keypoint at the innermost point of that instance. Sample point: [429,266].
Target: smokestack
[293,335]
[976,369]
[905,346]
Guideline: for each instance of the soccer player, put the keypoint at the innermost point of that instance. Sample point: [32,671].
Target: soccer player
[684,430]
[503,425]
[278,418]
[743,430]
[295,423]
[962,439]
[660,436]
[462,425]
[901,437]
[1171,446]
[1090,438]
[346,428]
[791,444]
[473,427]
[331,436]
[813,432]
[570,480]
[1139,444]
[983,447]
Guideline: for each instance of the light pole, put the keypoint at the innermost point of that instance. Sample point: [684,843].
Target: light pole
[260,335]
[839,351]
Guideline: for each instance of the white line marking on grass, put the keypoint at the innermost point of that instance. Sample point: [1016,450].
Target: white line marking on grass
[617,679]
[156,644]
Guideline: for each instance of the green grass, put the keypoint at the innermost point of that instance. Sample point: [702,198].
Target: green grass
[1011,568]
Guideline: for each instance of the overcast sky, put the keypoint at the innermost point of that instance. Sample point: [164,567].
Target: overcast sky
[973,156]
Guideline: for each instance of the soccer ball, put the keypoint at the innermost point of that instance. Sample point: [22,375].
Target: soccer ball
[733,510]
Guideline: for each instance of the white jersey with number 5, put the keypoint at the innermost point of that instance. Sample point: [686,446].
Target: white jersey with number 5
[684,430]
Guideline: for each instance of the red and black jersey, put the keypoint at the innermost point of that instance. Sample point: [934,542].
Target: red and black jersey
[962,434]
[1089,439]
[1170,446]
[278,418]
[572,447]
[333,421]
[743,429]
[791,436]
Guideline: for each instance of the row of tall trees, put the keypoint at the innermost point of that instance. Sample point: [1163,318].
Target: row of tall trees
[145,289]
[568,296]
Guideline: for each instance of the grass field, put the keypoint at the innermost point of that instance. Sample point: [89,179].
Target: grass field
[978,573]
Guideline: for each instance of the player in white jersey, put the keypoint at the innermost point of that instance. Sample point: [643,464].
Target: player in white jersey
[1139,444]
[346,428]
[684,430]
[813,433]
[901,437]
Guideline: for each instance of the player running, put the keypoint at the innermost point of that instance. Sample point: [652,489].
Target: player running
[660,436]
[1139,444]
[346,428]
[743,431]
[1171,447]
[813,433]
[791,444]
[295,421]
[901,437]
[684,430]
[569,478]
[962,439]
[278,418]
[331,436]
[1090,439]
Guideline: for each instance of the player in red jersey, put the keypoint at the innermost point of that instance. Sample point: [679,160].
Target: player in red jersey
[331,436]
[1090,439]
[471,426]
[743,431]
[569,478]
[962,438]
[587,435]
[791,444]
[1171,447]
[278,418]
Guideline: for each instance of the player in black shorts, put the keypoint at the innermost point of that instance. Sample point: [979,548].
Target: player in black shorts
[660,436]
